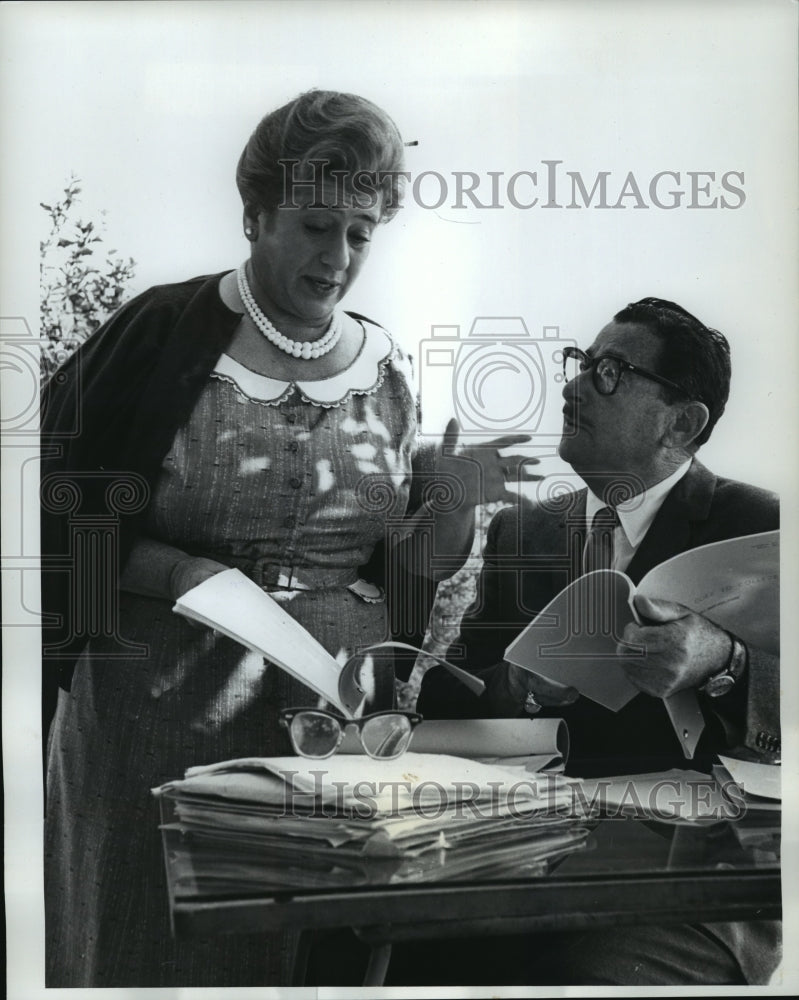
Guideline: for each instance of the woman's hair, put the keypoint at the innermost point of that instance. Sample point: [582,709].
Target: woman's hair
[323,136]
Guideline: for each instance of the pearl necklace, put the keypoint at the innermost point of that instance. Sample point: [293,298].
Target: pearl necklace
[305,349]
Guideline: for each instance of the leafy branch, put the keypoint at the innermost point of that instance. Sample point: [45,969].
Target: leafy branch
[79,286]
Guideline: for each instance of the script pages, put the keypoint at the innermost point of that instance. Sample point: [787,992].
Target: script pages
[234,605]
[245,827]
[575,639]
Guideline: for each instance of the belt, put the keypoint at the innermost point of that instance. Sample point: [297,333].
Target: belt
[271,576]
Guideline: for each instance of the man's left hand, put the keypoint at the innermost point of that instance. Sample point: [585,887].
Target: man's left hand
[682,649]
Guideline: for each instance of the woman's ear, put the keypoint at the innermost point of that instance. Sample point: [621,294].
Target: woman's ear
[688,421]
[250,222]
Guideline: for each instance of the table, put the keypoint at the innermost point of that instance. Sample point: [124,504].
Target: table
[630,871]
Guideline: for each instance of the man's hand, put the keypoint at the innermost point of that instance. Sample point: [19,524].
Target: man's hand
[546,692]
[682,649]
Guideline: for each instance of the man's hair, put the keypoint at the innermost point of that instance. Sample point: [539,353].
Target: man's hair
[346,132]
[694,356]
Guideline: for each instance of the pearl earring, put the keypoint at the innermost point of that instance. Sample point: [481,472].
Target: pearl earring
[249,232]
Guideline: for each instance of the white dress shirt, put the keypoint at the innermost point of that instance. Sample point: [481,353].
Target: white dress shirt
[635,515]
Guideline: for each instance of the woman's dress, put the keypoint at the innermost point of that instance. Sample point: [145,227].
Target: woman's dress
[294,485]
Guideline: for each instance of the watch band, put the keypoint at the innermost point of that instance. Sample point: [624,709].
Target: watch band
[724,681]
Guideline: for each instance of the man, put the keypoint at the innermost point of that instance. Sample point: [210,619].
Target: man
[644,397]
[647,395]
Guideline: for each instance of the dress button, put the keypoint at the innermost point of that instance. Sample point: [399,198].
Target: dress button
[290,521]
[291,418]
[295,483]
[294,446]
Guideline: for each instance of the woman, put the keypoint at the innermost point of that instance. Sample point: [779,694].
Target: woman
[252,420]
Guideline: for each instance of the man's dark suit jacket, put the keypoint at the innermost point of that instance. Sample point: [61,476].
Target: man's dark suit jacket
[530,556]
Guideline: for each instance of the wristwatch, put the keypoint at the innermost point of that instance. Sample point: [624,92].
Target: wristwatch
[724,681]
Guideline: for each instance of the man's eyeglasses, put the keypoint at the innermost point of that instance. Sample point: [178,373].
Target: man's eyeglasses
[317,733]
[606,370]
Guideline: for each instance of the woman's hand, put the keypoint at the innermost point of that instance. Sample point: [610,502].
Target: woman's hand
[480,469]
[190,573]
[155,569]
[462,479]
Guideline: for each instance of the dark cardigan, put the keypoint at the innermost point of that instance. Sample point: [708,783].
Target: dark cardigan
[109,417]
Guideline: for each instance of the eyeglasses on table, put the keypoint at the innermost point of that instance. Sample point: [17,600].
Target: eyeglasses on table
[317,733]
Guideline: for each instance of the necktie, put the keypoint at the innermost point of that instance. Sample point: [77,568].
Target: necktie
[598,551]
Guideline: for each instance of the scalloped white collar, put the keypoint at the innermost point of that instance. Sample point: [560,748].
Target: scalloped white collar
[362,377]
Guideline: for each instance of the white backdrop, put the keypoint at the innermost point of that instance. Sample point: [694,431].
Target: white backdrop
[150,105]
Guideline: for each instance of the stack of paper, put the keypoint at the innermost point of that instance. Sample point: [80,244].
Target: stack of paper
[677,795]
[759,783]
[258,824]
[757,792]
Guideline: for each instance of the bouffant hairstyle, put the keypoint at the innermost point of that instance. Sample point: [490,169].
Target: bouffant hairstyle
[323,137]
[694,356]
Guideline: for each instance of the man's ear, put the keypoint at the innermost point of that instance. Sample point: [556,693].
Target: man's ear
[687,423]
